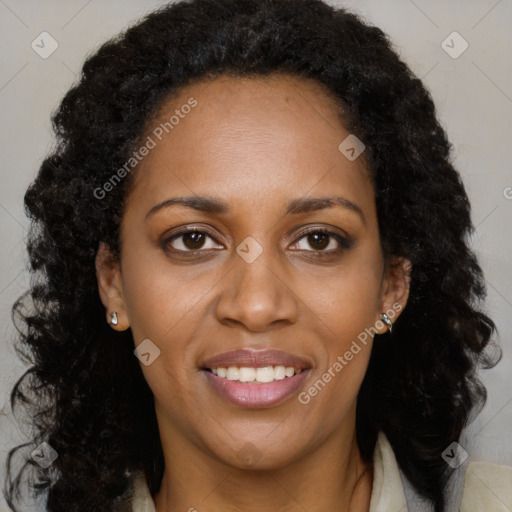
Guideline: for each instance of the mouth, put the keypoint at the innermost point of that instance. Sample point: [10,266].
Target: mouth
[256,379]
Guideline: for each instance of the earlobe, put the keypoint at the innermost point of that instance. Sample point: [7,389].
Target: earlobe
[108,275]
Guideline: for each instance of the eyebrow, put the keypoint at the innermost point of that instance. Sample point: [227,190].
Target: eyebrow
[297,206]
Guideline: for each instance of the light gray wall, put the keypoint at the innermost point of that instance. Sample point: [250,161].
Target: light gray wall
[473,94]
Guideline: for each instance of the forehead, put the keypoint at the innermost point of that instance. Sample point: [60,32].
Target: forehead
[252,138]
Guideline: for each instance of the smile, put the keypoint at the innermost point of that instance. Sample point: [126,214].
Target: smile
[254,394]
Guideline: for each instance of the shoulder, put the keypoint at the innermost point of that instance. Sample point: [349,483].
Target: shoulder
[487,487]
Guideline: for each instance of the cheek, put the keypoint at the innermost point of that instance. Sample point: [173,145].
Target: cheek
[163,308]
[332,394]
[349,296]
[158,300]
[167,308]
[348,304]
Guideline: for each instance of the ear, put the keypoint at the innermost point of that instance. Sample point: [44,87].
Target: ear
[110,286]
[395,290]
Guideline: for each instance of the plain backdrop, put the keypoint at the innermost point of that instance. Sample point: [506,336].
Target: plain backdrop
[472,91]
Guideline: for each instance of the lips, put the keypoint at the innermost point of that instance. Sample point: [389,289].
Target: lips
[256,395]
[256,359]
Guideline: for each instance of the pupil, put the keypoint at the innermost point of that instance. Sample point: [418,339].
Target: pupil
[323,237]
[195,238]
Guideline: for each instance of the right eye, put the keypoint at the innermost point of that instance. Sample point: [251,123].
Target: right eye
[190,240]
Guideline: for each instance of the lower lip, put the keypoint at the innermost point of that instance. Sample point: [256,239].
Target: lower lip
[257,396]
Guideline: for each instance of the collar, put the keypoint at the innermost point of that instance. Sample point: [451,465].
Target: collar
[387,490]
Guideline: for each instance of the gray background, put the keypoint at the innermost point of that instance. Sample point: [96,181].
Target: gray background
[473,94]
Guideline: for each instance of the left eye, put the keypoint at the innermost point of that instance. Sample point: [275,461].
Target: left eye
[321,240]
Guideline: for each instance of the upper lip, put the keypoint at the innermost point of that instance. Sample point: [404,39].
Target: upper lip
[256,359]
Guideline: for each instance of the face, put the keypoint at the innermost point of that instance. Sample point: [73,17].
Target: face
[261,263]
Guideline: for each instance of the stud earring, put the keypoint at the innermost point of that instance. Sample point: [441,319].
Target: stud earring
[385,318]
[113,318]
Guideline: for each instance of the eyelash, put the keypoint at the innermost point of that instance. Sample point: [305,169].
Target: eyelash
[344,242]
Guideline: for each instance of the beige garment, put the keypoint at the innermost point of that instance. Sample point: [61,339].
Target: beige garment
[488,487]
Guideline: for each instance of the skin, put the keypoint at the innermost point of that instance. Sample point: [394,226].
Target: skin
[255,143]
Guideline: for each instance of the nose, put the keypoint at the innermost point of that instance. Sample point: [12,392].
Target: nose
[257,295]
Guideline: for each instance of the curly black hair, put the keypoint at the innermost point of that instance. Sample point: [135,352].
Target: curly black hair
[85,389]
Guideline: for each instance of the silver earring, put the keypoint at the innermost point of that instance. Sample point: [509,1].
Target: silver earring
[113,318]
[385,318]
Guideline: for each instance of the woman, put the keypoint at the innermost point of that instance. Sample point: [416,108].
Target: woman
[257,197]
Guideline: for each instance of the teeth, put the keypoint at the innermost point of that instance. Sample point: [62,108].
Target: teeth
[233,373]
[264,374]
[246,374]
[279,372]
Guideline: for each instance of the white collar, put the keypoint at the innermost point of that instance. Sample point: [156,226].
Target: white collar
[387,491]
